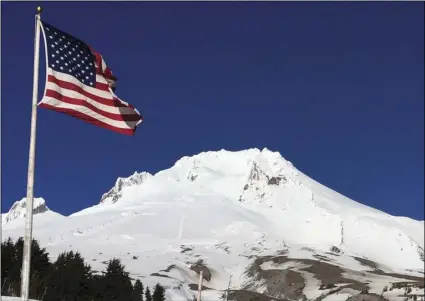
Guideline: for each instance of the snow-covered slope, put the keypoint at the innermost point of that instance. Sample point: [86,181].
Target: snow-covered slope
[243,213]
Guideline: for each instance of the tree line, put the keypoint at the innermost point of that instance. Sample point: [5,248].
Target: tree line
[69,277]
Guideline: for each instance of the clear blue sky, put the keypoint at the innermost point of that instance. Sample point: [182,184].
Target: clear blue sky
[337,88]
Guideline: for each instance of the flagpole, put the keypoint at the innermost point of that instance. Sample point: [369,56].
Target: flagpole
[201,277]
[26,258]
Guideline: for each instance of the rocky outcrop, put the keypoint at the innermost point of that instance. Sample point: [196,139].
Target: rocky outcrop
[113,195]
[19,210]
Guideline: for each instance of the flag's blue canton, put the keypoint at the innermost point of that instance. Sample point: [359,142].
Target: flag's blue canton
[69,55]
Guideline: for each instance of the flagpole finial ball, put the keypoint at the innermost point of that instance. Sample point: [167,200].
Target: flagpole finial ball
[39,9]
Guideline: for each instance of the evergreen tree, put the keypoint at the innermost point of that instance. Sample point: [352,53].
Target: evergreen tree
[39,268]
[13,287]
[69,278]
[8,259]
[117,283]
[158,293]
[148,296]
[137,294]
[98,288]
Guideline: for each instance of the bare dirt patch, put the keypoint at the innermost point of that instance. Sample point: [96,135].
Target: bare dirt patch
[368,263]
[279,283]
[244,295]
[160,275]
[289,284]
[194,287]
[366,297]
[169,268]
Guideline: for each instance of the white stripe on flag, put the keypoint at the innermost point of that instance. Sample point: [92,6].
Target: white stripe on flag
[84,110]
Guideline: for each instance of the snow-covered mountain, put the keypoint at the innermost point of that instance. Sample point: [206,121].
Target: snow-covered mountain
[17,212]
[248,218]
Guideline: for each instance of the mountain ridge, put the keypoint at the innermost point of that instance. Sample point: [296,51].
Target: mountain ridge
[18,210]
[137,178]
[233,209]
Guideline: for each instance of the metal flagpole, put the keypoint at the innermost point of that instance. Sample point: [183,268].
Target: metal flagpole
[201,277]
[26,258]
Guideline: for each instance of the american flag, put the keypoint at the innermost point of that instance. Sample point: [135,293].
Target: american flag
[80,84]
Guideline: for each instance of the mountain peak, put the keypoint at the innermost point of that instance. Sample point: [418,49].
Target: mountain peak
[247,153]
[18,209]
[226,160]
[115,193]
[246,165]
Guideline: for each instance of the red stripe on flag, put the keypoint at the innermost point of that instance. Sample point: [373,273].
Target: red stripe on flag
[76,88]
[80,102]
[88,119]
